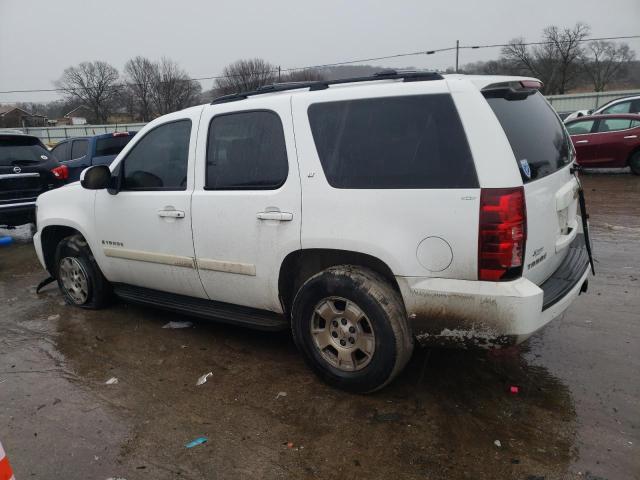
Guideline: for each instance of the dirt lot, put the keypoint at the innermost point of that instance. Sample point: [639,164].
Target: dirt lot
[577,413]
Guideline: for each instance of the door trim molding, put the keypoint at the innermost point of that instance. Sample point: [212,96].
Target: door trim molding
[150,257]
[180,261]
[225,266]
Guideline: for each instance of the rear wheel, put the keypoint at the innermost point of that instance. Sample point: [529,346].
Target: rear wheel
[634,163]
[79,277]
[351,327]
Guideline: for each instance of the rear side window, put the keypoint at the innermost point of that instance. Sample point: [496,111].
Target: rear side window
[394,142]
[79,148]
[159,160]
[536,134]
[613,124]
[111,145]
[20,150]
[246,151]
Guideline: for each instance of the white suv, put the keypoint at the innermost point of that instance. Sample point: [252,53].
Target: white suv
[363,214]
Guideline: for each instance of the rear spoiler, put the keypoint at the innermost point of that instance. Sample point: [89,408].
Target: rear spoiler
[517,90]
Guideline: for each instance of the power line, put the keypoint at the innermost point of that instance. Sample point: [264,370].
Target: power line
[346,62]
[474,47]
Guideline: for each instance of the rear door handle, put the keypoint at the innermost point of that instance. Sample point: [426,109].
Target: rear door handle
[582,141]
[171,213]
[277,216]
[631,136]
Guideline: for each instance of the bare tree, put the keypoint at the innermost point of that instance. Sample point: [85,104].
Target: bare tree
[556,60]
[604,61]
[306,75]
[172,89]
[94,84]
[245,75]
[139,74]
[568,45]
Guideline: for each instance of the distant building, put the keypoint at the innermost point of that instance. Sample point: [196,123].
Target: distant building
[78,116]
[14,117]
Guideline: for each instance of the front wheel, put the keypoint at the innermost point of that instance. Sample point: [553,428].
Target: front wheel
[79,277]
[350,325]
[634,163]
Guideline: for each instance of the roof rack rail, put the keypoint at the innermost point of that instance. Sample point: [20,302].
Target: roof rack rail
[405,75]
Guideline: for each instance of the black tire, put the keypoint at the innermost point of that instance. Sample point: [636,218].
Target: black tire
[382,307]
[74,250]
[634,163]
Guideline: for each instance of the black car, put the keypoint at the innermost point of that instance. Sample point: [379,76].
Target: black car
[27,169]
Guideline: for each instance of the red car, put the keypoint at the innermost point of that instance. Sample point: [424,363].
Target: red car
[607,141]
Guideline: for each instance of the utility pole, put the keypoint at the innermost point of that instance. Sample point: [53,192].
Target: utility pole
[278,73]
[457,53]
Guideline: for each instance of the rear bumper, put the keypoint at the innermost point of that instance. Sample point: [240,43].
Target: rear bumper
[491,314]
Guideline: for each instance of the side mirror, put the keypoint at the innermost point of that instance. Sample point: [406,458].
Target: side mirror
[96,177]
[589,112]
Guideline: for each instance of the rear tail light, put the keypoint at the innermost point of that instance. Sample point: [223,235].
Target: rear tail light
[61,172]
[502,233]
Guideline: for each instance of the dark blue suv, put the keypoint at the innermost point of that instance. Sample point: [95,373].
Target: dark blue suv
[82,152]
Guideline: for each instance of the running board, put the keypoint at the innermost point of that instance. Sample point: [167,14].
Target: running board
[207,309]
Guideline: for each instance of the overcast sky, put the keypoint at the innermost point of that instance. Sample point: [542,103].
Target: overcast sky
[39,38]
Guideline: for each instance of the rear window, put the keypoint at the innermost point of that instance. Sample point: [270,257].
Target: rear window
[15,150]
[394,142]
[537,136]
[111,145]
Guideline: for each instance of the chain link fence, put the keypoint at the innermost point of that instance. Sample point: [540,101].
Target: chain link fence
[53,135]
[569,103]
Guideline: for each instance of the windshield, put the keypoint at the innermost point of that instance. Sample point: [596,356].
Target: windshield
[20,149]
[112,145]
[536,134]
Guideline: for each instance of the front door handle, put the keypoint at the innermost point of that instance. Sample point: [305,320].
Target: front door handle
[631,136]
[277,216]
[171,213]
[582,141]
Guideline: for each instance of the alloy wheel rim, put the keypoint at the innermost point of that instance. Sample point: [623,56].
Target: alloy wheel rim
[74,280]
[342,334]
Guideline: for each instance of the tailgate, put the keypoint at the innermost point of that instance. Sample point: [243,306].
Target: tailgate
[552,223]
[543,154]
[19,185]
[25,169]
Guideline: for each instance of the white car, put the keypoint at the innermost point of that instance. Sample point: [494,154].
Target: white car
[617,106]
[363,214]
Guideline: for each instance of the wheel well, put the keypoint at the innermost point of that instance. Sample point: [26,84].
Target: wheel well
[302,264]
[50,239]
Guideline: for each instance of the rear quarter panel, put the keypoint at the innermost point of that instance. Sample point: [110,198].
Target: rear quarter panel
[388,224]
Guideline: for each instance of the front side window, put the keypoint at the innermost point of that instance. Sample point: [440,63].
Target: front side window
[622,107]
[393,143]
[79,148]
[580,128]
[246,151]
[159,160]
[613,124]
